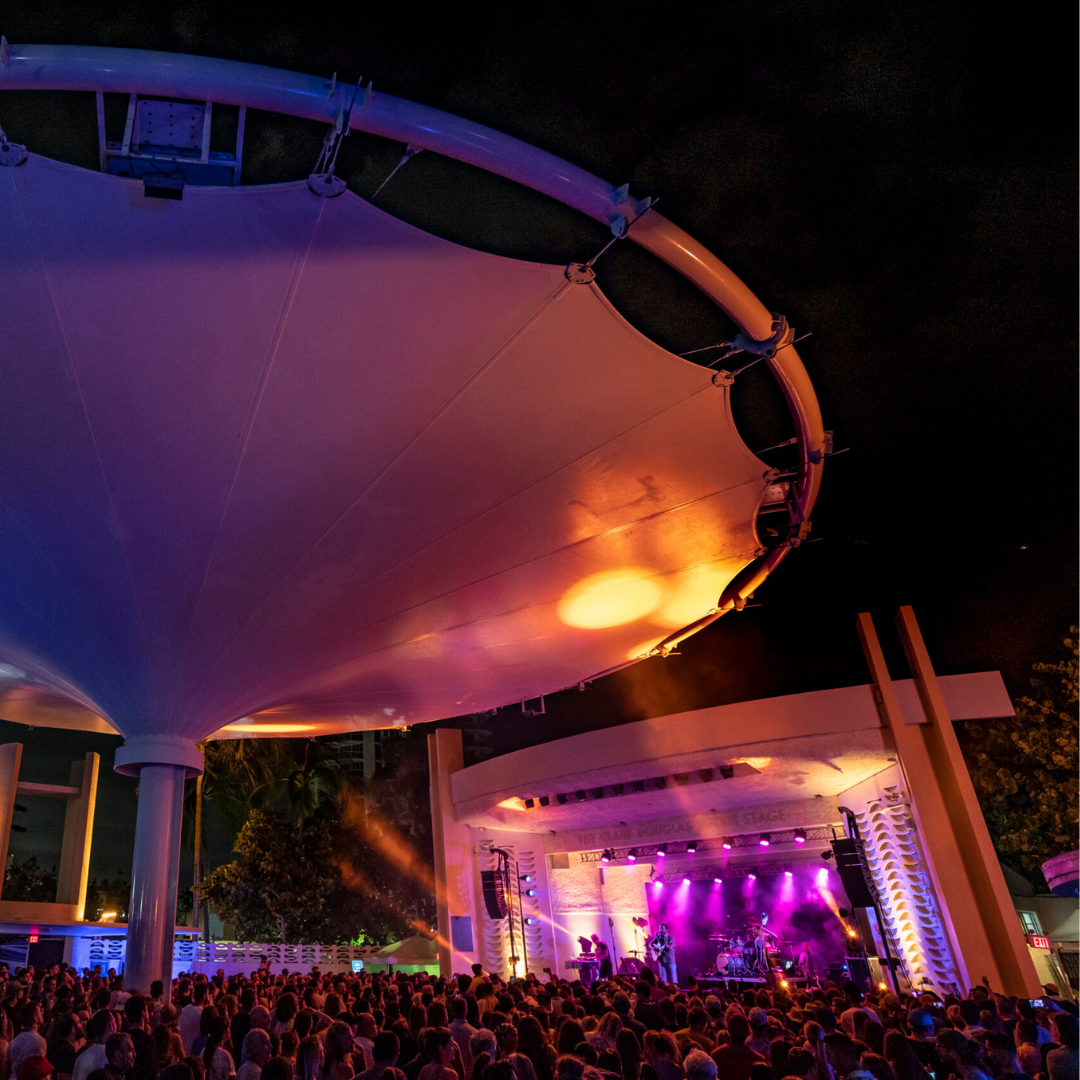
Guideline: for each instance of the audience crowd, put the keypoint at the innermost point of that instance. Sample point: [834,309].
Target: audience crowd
[312,1026]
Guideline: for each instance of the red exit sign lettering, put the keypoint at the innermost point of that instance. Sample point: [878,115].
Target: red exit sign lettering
[1037,941]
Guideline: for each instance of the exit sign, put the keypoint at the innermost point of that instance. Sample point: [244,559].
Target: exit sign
[1037,941]
[33,938]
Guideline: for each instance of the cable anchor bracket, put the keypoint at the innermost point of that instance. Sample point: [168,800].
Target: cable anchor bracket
[322,181]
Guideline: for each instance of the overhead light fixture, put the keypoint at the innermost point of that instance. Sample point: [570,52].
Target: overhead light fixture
[530,921]
[827,854]
[560,799]
[718,880]
[752,876]
[727,771]
[605,855]
[581,796]
[727,843]
[765,839]
[527,878]
[530,892]
[799,836]
[529,803]
[639,786]
[617,789]
[686,880]
[597,792]
[631,855]
[661,851]
[844,913]
[705,774]
[660,783]
[691,847]
[787,873]
[545,800]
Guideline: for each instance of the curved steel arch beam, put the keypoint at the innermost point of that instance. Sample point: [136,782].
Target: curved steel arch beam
[231,82]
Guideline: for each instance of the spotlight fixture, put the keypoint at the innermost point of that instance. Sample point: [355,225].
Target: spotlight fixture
[844,913]
[660,783]
[691,847]
[727,843]
[658,884]
[765,839]
[529,803]
[581,796]
[661,851]
[784,984]
[718,880]
[530,921]
[597,792]
[686,880]
[851,933]
[561,799]
[527,878]
[827,854]
[530,892]
[752,876]
[605,855]
[617,789]
[799,836]
[727,771]
[705,774]
[631,855]
[787,873]
[639,786]
[545,800]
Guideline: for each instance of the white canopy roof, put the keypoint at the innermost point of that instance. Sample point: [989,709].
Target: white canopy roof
[281,462]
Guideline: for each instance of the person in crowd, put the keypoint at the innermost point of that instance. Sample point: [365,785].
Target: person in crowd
[28,1042]
[119,1056]
[190,1021]
[63,1044]
[961,1056]
[1064,1062]
[99,1028]
[257,1052]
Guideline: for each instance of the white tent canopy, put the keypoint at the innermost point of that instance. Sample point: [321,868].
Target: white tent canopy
[281,462]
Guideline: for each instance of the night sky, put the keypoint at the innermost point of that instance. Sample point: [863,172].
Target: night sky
[897,179]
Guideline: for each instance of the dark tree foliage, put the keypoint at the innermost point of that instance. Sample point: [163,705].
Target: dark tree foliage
[30,881]
[323,857]
[1024,769]
[109,894]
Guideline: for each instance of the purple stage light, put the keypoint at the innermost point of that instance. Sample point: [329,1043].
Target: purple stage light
[658,885]
[800,836]
[726,843]
[787,873]
[686,881]
[823,875]
[752,876]
[719,881]
[765,839]
[631,855]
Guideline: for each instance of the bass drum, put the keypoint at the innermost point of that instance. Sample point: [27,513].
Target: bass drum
[725,963]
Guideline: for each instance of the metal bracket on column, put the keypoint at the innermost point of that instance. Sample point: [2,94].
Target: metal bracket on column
[322,180]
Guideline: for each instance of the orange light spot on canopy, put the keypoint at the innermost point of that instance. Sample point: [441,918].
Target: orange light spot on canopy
[513,803]
[610,598]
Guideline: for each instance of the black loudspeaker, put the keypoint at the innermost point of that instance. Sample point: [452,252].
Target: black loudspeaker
[859,972]
[852,871]
[494,893]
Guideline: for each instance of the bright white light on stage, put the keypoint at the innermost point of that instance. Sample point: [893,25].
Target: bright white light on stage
[800,836]
[752,876]
[661,851]
[823,875]
[610,598]
[657,885]
[691,847]
[718,880]
[787,873]
[631,855]
[765,839]
[686,881]
[727,843]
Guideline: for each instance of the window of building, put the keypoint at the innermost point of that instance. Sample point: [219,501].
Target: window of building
[1029,920]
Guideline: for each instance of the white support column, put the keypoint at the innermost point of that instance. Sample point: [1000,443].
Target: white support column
[162,764]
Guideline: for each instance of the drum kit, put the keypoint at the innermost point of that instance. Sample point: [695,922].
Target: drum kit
[737,954]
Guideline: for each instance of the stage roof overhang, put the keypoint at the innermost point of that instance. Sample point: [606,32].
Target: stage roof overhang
[281,464]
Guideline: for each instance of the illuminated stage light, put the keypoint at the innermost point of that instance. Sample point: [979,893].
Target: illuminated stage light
[545,800]
[718,880]
[765,839]
[581,796]
[800,836]
[686,881]
[605,856]
[530,803]
[752,876]
[691,847]
[787,873]
[527,878]
[727,843]
[661,851]
[658,884]
[827,854]
[784,983]
[530,892]
[631,855]
[851,933]
[882,986]
[561,799]
[530,921]
[823,875]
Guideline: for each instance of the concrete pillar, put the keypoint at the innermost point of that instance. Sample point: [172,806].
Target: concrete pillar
[10,760]
[78,829]
[454,863]
[975,904]
[162,764]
